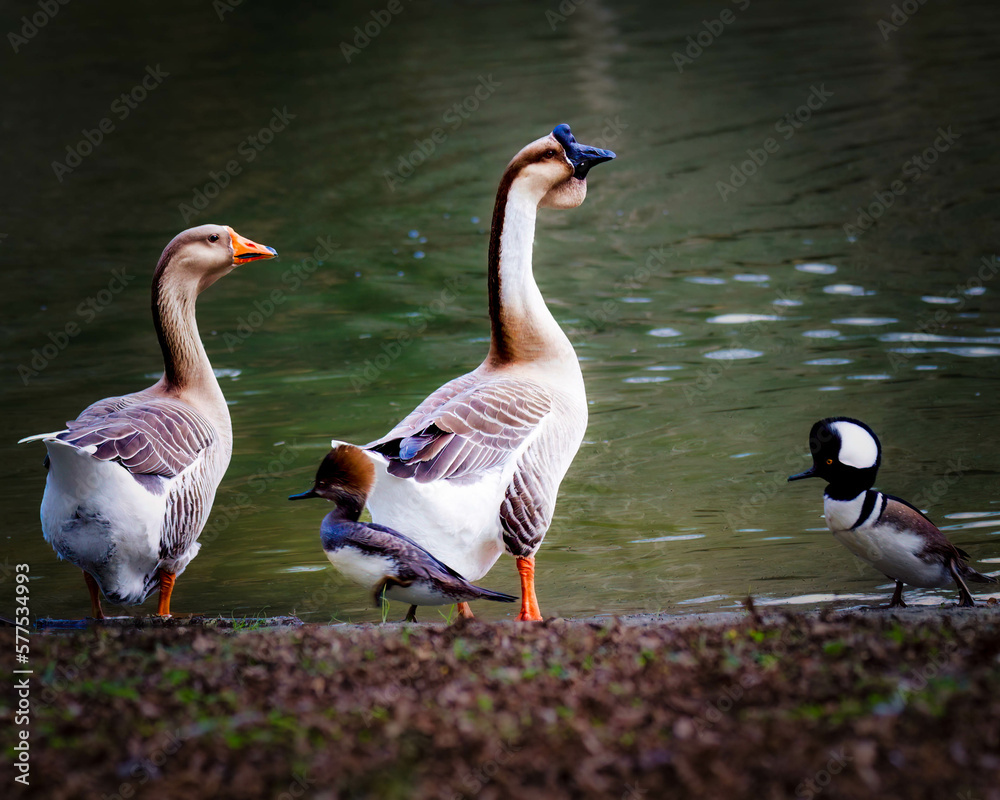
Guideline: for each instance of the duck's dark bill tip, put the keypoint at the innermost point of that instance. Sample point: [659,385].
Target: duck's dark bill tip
[304,496]
[809,473]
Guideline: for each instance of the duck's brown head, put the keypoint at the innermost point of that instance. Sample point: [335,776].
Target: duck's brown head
[345,477]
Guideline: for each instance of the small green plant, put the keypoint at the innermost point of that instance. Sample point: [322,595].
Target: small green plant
[250,623]
[450,614]
[384,603]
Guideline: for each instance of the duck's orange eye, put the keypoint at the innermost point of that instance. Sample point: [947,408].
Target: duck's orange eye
[829,462]
[550,154]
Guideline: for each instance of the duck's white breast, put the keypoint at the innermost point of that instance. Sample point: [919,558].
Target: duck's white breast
[891,551]
[365,569]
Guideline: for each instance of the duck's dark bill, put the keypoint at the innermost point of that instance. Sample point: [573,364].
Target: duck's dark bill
[581,156]
[303,496]
[809,473]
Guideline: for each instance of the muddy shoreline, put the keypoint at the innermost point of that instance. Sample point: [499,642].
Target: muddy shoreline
[840,704]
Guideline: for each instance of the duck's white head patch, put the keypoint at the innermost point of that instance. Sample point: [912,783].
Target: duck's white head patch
[858,447]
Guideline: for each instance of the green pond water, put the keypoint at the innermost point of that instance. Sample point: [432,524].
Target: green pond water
[716,300]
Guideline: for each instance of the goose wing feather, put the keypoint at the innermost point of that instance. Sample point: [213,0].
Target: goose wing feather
[156,439]
[155,436]
[470,429]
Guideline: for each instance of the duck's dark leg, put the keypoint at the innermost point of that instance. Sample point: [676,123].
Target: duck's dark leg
[465,611]
[530,612]
[166,588]
[411,615]
[897,597]
[95,596]
[964,595]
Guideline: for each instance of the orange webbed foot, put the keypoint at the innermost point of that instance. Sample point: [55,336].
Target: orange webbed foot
[530,612]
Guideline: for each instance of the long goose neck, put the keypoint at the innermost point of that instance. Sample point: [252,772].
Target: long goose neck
[186,368]
[522,327]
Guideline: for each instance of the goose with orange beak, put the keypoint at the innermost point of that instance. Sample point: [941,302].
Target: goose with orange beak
[131,481]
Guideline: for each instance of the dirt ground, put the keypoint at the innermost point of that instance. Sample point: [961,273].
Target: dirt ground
[840,705]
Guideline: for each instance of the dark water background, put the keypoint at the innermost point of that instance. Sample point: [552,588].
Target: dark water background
[715,322]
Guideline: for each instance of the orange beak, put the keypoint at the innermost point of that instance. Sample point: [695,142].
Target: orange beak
[244,250]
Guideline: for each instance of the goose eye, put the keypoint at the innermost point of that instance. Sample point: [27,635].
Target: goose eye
[214,237]
[829,462]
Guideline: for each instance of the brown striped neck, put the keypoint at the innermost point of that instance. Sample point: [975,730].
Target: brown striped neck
[522,329]
[186,368]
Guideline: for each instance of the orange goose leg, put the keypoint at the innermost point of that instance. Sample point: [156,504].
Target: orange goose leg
[166,587]
[95,596]
[530,612]
[465,611]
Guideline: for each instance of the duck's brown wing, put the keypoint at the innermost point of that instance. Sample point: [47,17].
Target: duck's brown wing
[907,517]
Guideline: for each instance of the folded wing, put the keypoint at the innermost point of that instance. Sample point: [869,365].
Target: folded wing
[466,431]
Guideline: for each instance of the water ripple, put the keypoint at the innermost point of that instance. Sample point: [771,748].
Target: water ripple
[817,269]
[705,280]
[740,319]
[933,337]
[733,354]
[822,334]
[866,321]
[845,289]
[683,537]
